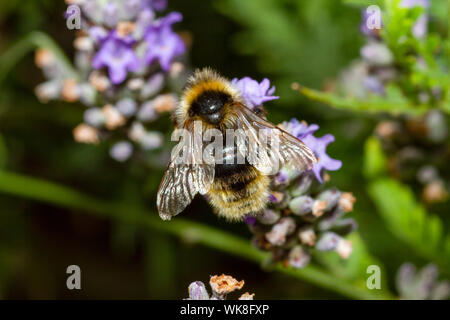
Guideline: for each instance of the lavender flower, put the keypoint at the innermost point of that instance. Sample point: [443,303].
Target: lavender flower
[422,284]
[221,286]
[116,78]
[163,44]
[118,56]
[300,218]
[410,145]
[254,93]
[304,132]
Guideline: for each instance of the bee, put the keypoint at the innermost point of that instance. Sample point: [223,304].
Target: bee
[234,188]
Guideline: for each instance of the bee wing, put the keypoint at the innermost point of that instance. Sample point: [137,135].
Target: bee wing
[184,177]
[282,149]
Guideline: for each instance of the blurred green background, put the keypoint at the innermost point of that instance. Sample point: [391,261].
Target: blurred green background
[284,40]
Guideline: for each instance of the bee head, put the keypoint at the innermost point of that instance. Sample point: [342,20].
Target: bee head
[210,106]
[207,96]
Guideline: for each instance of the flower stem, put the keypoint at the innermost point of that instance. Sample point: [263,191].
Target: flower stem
[48,192]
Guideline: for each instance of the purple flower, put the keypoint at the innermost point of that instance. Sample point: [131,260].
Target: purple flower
[281,178]
[164,44]
[158,5]
[111,14]
[304,132]
[118,56]
[250,220]
[254,93]
[415,3]
[374,85]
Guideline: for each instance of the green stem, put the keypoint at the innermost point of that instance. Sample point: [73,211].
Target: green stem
[348,103]
[40,190]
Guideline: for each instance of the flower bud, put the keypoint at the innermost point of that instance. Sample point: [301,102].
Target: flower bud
[298,257]
[86,134]
[307,236]
[94,117]
[127,107]
[344,226]
[331,197]
[276,197]
[268,217]
[435,191]
[277,236]
[197,291]
[346,201]
[319,207]
[328,241]
[344,248]
[303,185]
[121,151]
[114,118]
[377,54]
[301,205]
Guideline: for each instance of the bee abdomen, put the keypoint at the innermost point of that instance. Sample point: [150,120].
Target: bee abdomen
[238,190]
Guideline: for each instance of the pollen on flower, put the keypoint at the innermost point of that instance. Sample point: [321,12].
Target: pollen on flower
[86,134]
[70,92]
[99,81]
[83,43]
[346,201]
[43,58]
[125,28]
[307,236]
[435,192]
[319,207]
[224,284]
[113,117]
[344,248]
[165,103]
[176,69]
[386,129]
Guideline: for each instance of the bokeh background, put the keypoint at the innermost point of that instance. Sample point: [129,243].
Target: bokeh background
[284,40]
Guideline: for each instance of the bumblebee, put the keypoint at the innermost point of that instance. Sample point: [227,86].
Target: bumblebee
[233,188]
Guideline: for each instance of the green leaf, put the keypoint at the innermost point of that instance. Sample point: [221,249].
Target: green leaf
[394,102]
[365,3]
[374,158]
[409,221]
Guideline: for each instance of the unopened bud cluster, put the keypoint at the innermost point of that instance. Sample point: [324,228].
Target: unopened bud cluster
[418,153]
[300,220]
[127,64]
[423,284]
